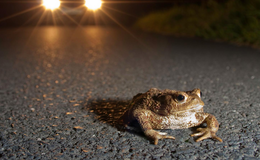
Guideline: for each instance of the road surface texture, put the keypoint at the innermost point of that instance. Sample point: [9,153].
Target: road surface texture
[62,90]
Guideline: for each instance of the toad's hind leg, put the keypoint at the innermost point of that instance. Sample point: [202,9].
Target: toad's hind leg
[144,117]
[210,131]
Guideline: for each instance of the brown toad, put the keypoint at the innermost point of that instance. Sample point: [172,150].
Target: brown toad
[170,109]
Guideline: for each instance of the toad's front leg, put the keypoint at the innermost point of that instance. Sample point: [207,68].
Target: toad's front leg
[210,131]
[146,119]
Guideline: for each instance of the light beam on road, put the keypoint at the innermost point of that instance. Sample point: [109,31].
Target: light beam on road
[93,4]
[51,4]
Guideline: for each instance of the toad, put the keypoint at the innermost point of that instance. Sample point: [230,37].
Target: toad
[170,109]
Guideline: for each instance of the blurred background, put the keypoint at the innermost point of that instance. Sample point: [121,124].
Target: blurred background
[74,12]
[235,21]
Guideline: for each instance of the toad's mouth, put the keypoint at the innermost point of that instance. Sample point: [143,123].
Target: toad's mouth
[193,108]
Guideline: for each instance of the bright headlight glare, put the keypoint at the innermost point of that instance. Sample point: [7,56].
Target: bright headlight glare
[51,4]
[93,4]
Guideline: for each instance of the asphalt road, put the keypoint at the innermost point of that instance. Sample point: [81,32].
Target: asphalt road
[62,89]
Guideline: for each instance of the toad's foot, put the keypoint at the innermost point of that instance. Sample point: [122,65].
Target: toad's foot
[155,135]
[206,133]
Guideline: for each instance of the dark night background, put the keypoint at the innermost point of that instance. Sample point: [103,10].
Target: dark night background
[125,12]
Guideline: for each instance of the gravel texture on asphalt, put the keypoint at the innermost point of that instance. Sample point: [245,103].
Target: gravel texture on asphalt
[62,90]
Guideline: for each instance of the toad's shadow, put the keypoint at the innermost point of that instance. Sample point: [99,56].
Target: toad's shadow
[109,112]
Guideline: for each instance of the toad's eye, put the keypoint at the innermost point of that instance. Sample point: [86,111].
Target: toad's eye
[180,97]
[200,94]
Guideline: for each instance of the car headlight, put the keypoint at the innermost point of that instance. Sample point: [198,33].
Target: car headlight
[93,4]
[51,4]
